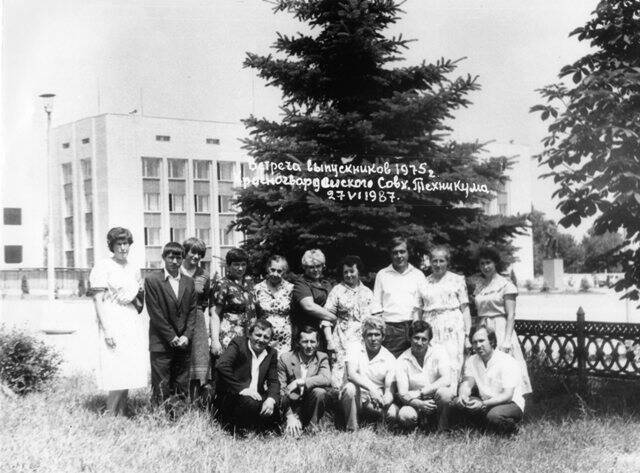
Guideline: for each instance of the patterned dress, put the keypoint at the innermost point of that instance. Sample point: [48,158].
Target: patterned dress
[350,305]
[126,365]
[441,301]
[276,308]
[489,298]
[199,368]
[236,300]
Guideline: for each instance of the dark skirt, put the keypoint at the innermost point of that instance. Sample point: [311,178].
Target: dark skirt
[199,367]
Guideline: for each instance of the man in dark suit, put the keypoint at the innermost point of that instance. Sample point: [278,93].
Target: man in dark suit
[248,391]
[171,303]
[305,377]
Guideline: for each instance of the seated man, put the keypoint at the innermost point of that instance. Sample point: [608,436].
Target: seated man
[248,390]
[305,376]
[496,377]
[423,377]
[370,374]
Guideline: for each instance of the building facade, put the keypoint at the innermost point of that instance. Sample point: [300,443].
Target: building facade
[165,179]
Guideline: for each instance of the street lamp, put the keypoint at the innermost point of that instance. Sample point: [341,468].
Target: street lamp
[47,100]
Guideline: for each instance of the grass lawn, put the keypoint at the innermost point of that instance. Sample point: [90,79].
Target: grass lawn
[63,430]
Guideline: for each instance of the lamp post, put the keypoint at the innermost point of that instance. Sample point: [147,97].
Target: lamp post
[47,100]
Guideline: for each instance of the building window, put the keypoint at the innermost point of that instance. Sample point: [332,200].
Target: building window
[85,141]
[88,225]
[176,168]
[12,216]
[90,257]
[245,171]
[213,141]
[163,138]
[13,254]
[204,234]
[177,234]
[226,237]
[176,202]
[65,145]
[152,236]
[68,231]
[201,170]
[201,203]
[225,171]
[502,209]
[150,167]
[88,196]
[67,173]
[151,202]
[85,166]
[68,199]
[153,264]
[225,204]
[71,263]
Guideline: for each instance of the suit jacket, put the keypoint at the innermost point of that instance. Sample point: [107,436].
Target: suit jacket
[169,316]
[318,371]
[234,370]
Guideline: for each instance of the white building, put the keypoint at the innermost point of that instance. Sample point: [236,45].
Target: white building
[516,198]
[165,179]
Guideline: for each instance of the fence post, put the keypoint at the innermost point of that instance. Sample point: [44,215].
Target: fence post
[582,354]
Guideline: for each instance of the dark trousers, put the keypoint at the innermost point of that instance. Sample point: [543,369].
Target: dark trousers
[501,419]
[169,374]
[396,337]
[234,410]
[309,407]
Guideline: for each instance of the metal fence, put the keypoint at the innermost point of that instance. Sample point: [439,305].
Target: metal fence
[601,349]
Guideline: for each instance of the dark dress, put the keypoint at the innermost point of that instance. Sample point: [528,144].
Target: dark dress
[238,307]
[199,365]
[319,291]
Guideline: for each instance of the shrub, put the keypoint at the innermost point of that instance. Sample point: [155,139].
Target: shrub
[585,285]
[26,363]
[528,284]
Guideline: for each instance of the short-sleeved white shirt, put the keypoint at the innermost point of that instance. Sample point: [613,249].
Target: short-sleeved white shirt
[436,363]
[375,369]
[501,372]
[397,294]
[489,297]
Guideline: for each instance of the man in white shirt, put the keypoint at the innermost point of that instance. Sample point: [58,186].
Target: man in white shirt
[369,368]
[396,296]
[423,376]
[496,377]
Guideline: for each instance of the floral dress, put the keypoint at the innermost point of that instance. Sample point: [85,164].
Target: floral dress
[238,307]
[350,305]
[441,305]
[489,298]
[275,307]
[199,366]
[126,365]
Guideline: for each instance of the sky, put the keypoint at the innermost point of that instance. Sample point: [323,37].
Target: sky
[184,59]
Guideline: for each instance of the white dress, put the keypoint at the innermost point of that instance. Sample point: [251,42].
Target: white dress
[126,365]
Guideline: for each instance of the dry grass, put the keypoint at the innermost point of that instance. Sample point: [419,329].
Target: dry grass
[63,430]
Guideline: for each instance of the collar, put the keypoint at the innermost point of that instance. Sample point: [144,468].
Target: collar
[352,289]
[312,359]
[410,357]
[259,357]
[409,269]
[168,276]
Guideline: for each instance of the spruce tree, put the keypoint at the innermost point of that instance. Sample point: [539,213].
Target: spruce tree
[343,102]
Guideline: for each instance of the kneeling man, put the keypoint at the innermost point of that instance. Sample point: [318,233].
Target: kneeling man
[423,376]
[248,390]
[496,377]
[370,374]
[305,376]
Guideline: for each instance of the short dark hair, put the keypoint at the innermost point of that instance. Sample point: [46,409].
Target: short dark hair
[421,326]
[351,260]
[491,334]
[262,324]
[196,244]
[490,253]
[397,241]
[306,329]
[118,233]
[173,247]
[236,255]
[277,259]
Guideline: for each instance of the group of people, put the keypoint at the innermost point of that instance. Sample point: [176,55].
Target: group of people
[280,352]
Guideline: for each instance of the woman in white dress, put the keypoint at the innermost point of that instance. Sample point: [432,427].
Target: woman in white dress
[445,306]
[122,357]
[495,299]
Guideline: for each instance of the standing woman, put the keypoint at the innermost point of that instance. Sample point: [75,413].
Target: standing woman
[194,251]
[350,302]
[495,298]
[122,355]
[232,306]
[445,306]
[273,302]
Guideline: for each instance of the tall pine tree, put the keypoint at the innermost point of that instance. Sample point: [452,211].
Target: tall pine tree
[343,102]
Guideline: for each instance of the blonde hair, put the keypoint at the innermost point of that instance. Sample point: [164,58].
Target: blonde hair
[311,257]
